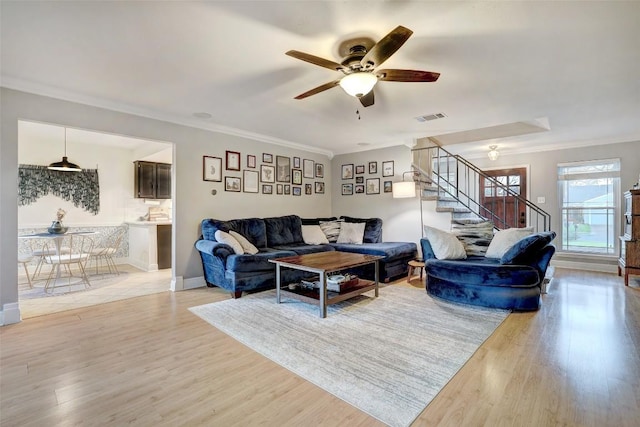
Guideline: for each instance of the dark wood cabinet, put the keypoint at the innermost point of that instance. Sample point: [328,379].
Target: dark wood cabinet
[164,246]
[152,180]
[629,260]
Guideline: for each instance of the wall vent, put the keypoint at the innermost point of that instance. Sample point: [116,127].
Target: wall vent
[430,117]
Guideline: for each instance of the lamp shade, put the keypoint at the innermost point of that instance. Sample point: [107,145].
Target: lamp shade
[358,84]
[64,166]
[404,189]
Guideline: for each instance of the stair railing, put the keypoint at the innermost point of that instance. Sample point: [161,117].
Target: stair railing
[458,179]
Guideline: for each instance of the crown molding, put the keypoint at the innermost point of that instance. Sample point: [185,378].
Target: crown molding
[52,92]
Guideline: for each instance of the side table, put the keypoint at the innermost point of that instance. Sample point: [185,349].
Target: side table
[413,264]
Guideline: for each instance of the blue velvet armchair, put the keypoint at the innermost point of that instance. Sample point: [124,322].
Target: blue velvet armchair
[512,282]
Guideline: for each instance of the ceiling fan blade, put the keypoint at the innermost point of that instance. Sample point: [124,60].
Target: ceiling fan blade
[386,47]
[316,60]
[406,76]
[318,89]
[367,100]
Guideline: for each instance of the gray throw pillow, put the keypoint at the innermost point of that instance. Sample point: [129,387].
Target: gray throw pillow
[331,229]
[475,236]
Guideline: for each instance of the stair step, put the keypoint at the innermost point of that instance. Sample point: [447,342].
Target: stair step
[448,202]
[464,215]
[455,209]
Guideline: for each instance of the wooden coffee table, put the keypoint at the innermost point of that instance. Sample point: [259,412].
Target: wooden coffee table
[323,263]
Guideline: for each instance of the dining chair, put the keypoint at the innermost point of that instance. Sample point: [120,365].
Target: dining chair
[77,252]
[24,260]
[106,250]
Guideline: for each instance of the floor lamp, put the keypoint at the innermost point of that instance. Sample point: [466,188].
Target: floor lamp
[407,189]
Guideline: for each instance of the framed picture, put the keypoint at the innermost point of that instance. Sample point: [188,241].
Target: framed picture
[267,158]
[283,168]
[251,161]
[387,168]
[359,169]
[359,179]
[308,189]
[373,167]
[296,177]
[359,189]
[267,173]
[347,171]
[308,168]
[267,189]
[211,169]
[250,184]
[296,162]
[373,185]
[319,187]
[279,189]
[287,189]
[388,186]
[347,189]
[233,161]
[297,191]
[232,183]
[319,170]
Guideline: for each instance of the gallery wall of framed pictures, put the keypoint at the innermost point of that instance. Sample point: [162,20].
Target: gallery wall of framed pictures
[271,174]
[275,174]
[369,178]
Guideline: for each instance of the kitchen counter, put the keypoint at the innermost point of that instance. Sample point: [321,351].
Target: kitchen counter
[150,244]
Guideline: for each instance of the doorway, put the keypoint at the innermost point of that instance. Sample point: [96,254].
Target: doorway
[112,157]
[497,201]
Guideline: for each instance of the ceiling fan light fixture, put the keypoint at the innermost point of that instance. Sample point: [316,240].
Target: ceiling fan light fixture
[493,152]
[358,84]
[65,165]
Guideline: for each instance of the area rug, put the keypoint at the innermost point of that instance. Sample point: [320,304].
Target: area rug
[65,286]
[387,356]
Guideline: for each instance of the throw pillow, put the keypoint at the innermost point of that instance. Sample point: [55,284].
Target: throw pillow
[445,245]
[224,237]
[247,246]
[331,229]
[313,235]
[475,236]
[525,251]
[504,239]
[351,232]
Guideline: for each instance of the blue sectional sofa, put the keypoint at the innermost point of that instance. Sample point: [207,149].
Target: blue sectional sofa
[278,237]
[512,282]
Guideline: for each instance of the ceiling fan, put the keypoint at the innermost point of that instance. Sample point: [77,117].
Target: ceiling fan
[360,64]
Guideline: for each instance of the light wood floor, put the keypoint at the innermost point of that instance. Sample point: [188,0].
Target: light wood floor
[131,282]
[149,361]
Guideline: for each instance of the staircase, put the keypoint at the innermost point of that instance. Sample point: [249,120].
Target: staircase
[454,183]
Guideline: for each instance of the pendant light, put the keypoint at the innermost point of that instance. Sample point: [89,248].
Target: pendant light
[65,165]
[493,153]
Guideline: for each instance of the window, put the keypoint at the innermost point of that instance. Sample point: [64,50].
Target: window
[589,205]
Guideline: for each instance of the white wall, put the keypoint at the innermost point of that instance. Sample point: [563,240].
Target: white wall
[192,200]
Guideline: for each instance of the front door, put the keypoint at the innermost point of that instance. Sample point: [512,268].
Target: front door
[497,205]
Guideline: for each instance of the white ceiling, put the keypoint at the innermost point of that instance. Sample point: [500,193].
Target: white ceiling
[573,65]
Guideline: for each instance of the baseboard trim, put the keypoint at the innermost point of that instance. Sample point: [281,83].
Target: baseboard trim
[586,266]
[10,314]
[194,282]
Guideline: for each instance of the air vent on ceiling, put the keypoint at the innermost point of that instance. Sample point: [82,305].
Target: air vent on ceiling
[430,117]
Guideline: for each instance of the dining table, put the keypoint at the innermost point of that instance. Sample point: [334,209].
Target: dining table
[57,239]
